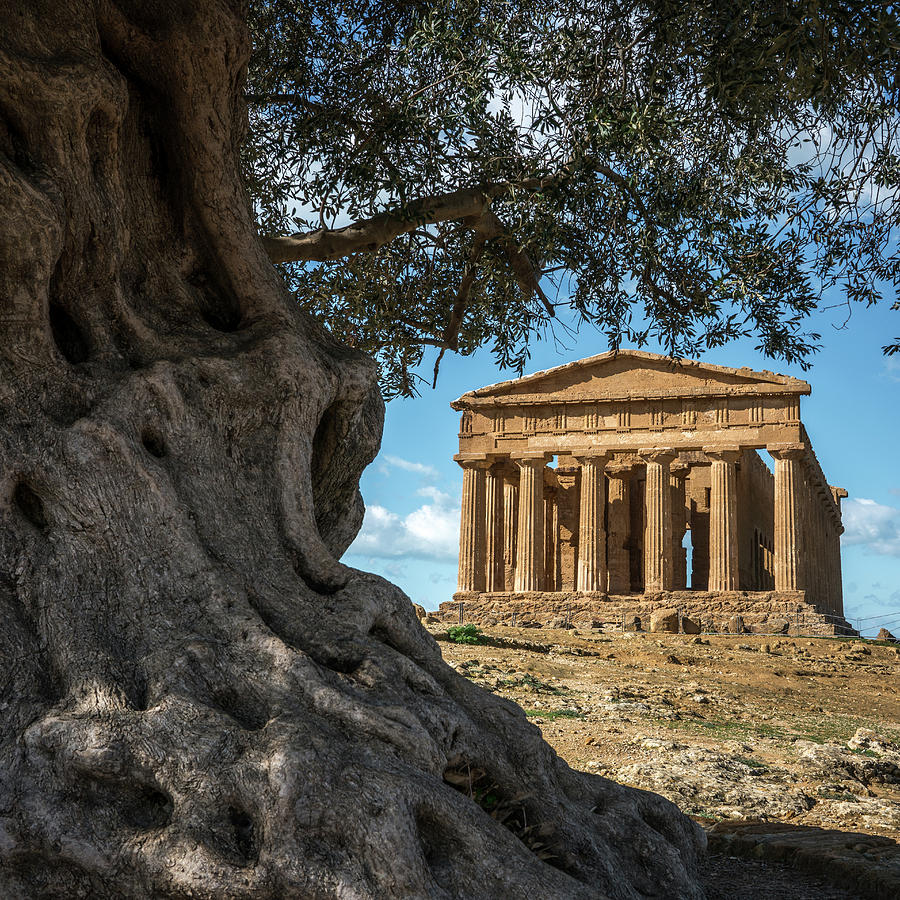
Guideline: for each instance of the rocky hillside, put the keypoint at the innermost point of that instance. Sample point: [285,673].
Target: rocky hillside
[803,731]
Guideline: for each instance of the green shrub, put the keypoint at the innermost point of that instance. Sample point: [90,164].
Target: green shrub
[465,634]
[552,714]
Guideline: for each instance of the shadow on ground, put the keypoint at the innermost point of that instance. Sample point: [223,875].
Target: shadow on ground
[755,860]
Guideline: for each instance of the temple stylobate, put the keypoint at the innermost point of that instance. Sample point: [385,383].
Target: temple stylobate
[648,450]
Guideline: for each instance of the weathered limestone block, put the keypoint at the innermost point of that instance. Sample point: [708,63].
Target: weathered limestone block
[665,620]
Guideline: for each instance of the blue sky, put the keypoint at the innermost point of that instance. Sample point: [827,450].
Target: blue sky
[412,490]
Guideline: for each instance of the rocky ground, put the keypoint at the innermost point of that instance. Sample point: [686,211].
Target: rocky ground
[801,735]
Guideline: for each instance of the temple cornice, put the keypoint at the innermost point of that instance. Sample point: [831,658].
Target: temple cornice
[476,402]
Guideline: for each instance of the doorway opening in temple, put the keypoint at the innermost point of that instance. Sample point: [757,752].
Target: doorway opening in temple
[689,558]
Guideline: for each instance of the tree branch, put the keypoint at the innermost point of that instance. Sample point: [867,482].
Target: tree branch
[529,280]
[366,235]
[623,185]
[292,99]
[327,244]
[469,205]
[451,332]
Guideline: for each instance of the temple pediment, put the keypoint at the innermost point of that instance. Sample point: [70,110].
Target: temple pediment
[632,374]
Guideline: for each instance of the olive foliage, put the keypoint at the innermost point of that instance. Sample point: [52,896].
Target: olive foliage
[686,172]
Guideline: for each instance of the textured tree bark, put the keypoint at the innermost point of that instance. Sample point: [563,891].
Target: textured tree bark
[197,699]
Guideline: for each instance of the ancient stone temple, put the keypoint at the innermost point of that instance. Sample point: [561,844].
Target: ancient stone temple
[651,455]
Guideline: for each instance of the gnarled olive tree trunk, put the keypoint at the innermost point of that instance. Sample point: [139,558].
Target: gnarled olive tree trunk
[196,698]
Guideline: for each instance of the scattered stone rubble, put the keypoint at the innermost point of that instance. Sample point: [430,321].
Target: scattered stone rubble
[829,783]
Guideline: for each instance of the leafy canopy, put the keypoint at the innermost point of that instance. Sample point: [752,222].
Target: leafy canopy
[456,171]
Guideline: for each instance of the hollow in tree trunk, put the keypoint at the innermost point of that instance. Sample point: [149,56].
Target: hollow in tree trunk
[197,698]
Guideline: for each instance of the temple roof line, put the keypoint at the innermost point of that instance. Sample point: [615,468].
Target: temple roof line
[472,399]
[712,380]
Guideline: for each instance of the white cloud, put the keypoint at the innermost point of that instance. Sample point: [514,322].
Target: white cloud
[393,570]
[891,369]
[396,462]
[439,497]
[429,532]
[443,577]
[872,524]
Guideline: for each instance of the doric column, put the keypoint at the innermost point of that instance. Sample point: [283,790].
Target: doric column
[808,543]
[658,521]
[677,475]
[838,578]
[788,483]
[838,529]
[591,574]
[825,532]
[471,525]
[819,556]
[828,587]
[723,522]
[833,550]
[510,524]
[530,536]
[618,524]
[700,539]
[799,539]
[493,530]
[829,555]
[551,534]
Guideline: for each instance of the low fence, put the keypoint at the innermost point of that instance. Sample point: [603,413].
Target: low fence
[869,626]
